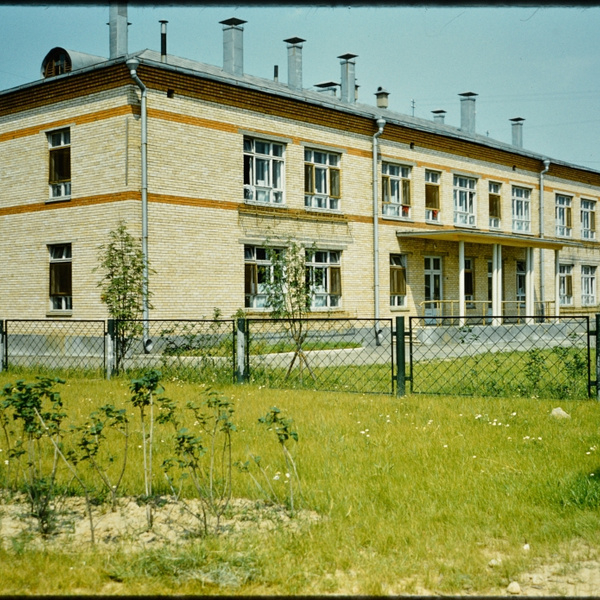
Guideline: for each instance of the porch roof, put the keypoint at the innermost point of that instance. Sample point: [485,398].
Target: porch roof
[487,237]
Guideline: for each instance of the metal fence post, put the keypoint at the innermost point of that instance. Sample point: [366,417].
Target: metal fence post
[2,334]
[597,337]
[241,373]
[400,358]
[109,355]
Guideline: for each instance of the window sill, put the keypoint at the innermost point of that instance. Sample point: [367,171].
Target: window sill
[395,218]
[59,313]
[433,222]
[522,233]
[267,204]
[61,199]
[327,211]
[399,309]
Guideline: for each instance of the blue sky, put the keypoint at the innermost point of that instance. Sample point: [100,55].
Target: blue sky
[541,63]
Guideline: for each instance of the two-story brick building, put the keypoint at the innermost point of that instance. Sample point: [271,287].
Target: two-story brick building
[211,166]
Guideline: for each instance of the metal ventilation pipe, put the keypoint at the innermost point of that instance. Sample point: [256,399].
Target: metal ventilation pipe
[467,112]
[348,77]
[233,46]
[163,41]
[439,115]
[117,17]
[294,62]
[517,131]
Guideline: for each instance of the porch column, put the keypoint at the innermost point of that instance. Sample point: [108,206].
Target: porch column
[461,282]
[556,284]
[529,288]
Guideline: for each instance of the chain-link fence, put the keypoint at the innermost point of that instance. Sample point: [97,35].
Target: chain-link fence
[195,351]
[353,355]
[527,358]
[66,346]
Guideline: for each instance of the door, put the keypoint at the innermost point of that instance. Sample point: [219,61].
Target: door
[433,288]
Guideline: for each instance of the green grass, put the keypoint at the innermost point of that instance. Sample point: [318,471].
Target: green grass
[414,491]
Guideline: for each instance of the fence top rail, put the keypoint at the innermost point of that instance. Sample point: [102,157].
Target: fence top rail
[320,319]
[54,321]
[175,320]
[502,319]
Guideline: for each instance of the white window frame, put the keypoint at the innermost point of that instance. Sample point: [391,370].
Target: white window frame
[564,218]
[588,219]
[432,182]
[521,282]
[464,200]
[588,285]
[566,284]
[322,179]
[395,190]
[59,142]
[398,267]
[264,171]
[323,274]
[495,191]
[60,254]
[258,269]
[521,209]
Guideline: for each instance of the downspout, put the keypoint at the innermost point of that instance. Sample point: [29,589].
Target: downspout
[542,286]
[380,124]
[133,64]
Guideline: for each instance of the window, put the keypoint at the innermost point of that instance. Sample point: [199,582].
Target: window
[60,277]
[324,276]
[588,219]
[495,204]
[564,220]
[395,183]
[521,209]
[588,285]
[263,171]
[321,180]
[464,200]
[521,282]
[59,143]
[432,196]
[566,284]
[258,274]
[397,280]
[469,282]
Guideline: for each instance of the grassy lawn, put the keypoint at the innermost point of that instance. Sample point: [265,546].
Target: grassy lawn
[414,492]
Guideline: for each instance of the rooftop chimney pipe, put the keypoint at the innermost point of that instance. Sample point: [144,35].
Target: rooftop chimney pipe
[348,77]
[294,62]
[117,22]
[467,112]
[233,46]
[517,131]
[163,41]
[439,115]
[382,97]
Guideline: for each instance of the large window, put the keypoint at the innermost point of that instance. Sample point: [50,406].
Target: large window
[588,285]
[324,276]
[588,219]
[321,180]
[521,209]
[566,285]
[59,179]
[397,280]
[395,184]
[263,171]
[60,277]
[564,220]
[464,200]
[495,204]
[432,196]
[258,275]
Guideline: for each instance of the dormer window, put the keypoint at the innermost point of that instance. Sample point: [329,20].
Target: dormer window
[56,63]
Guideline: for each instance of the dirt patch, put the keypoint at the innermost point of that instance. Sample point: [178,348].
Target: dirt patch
[173,522]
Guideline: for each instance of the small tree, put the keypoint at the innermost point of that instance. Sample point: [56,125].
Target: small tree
[289,295]
[122,286]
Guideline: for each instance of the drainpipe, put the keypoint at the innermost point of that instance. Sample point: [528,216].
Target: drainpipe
[542,286]
[133,64]
[380,124]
